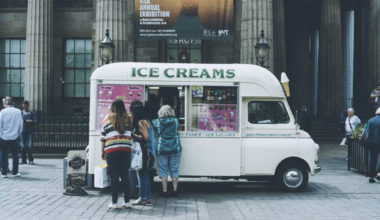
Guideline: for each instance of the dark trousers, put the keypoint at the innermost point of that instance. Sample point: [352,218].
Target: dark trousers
[119,163]
[26,146]
[5,145]
[373,169]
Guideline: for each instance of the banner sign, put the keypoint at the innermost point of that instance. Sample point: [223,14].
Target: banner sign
[185,19]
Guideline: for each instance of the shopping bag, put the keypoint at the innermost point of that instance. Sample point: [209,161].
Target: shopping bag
[344,142]
[136,156]
[101,179]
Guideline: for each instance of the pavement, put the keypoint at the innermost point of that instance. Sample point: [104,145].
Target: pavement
[334,193]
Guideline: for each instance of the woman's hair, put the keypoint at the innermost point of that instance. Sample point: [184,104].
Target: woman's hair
[351,110]
[135,103]
[166,111]
[119,117]
[138,113]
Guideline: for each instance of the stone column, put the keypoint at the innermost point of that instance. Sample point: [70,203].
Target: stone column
[330,99]
[279,37]
[112,15]
[38,54]
[257,15]
[374,43]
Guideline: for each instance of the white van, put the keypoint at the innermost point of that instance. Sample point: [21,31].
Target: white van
[235,119]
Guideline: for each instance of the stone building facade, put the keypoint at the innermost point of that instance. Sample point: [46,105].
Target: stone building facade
[330,49]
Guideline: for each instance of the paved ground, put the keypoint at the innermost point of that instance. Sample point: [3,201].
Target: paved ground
[335,193]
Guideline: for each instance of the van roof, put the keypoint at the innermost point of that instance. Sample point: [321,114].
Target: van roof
[254,80]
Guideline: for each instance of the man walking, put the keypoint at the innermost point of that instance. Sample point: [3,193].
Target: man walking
[30,119]
[11,125]
[373,144]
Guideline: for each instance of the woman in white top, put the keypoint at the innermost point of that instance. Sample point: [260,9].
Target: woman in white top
[351,121]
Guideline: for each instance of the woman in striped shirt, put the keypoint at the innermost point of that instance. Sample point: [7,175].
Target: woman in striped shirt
[116,149]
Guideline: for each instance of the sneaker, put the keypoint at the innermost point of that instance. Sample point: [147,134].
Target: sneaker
[31,162]
[377,178]
[126,205]
[3,176]
[139,201]
[147,202]
[371,180]
[164,194]
[16,175]
[112,206]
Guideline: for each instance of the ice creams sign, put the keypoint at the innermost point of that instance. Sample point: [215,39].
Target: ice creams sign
[182,73]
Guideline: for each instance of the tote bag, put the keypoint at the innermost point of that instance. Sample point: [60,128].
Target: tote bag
[136,156]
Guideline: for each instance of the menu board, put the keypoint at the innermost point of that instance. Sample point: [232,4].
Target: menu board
[217,117]
[108,93]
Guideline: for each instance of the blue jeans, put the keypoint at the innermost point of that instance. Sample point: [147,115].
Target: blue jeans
[4,146]
[26,140]
[144,184]
[168,163]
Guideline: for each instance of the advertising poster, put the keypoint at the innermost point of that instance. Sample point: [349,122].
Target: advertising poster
[186,19]
[108,93]
[217,117]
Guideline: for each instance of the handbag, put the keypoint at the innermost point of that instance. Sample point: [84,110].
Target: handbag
[344,142]
[136,156]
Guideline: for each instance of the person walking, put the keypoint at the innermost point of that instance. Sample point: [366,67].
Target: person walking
[30,120]
[116,149]
[144,134]
[11,125]
[351,122]
[373,141]
[168,149]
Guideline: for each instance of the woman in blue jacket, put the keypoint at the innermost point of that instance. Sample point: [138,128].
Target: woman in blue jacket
[168,148]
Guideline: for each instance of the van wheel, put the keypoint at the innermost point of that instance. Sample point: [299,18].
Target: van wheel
[292,177]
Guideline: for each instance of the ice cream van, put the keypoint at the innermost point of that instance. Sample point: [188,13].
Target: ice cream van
[235,120]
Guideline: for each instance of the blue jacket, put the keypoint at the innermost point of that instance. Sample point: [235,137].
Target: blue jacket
[374,131]
[167,135]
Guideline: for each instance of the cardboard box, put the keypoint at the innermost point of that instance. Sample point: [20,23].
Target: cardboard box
[102,180]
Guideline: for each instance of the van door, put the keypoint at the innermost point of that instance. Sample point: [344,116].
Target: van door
[269,135]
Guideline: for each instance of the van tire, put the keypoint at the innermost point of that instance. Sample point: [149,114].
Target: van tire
[292,177]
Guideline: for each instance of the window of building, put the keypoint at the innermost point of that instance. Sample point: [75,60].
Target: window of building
[12,67]
[77,68]
[184,51]
[214,109]
[267,112]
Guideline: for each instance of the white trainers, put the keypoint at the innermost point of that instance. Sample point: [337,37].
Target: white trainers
[3,176]
[16,175]
[126,205]
[112,206]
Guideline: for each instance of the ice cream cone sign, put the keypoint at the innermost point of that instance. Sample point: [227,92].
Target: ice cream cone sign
[285,84]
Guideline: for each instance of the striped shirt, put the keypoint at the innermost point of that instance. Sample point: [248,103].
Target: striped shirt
[114,141]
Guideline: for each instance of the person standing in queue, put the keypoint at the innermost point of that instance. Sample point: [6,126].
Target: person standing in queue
[170,96]
[168,148]
[373,140]
[30,120]
[116,142]
[143,132]
[11,125]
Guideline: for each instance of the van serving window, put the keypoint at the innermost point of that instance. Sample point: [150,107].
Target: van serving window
[267,112]
[214,109]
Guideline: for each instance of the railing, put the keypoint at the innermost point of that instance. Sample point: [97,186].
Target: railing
[59,134]
[357,156]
